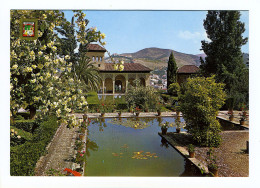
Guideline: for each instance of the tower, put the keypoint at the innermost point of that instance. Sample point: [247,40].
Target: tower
[96,54]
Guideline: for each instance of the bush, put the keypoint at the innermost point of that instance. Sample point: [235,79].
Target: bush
[22,115]
[24,157]
[199,104]
[144,97]
[26,125]
[174,89]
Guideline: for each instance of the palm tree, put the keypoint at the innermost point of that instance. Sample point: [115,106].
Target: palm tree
[85,70]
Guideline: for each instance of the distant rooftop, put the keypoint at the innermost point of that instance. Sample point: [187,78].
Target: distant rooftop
[128,67]
[95,48]
[188,69]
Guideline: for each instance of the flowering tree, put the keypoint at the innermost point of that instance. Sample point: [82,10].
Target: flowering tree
[40,78]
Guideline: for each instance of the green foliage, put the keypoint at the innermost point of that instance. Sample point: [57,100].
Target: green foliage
[191,148]
[26,125]
[24,157]
[211,159]
[82,68]
[141,96]
[174,89]
[171,70]
[224,56]
[199,104]
[24,134]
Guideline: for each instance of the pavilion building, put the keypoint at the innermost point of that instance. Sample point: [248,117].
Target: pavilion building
[115,81]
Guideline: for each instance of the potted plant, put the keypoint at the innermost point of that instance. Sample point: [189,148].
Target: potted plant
[81,136]
[103,110]
[177,108]
[231,115]
[137,111]
[80,157]
[178,128]
[191,150]
[120,113]
[82,129]
[159,109]
[212,163]
[131,108]
[242,120]
[165,127]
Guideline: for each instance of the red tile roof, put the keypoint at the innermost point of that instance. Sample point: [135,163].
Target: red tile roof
[128,67]
[96,48]
[188,69]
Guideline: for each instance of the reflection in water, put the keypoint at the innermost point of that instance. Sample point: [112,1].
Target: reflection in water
[190,170]
[91,145]
[164,143]
[130,147]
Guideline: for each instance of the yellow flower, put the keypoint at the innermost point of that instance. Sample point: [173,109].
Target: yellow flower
[33,81]
[102,35]
[15,66]
[121,67]
[40,66]
[40,53]
[43,47]
[34,66]
[67,57]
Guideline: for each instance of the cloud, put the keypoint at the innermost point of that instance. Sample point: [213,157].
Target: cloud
[194,36]
[189,35]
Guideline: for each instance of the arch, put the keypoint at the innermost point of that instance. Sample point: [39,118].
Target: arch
[108,85]
[120,84]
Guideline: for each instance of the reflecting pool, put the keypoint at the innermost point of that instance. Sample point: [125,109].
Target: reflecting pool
[131,147]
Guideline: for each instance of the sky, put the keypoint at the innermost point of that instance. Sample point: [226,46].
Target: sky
[131,31]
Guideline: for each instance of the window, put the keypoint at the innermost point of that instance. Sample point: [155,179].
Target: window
[100,58]
[98,65]
[96,58]
[93,58]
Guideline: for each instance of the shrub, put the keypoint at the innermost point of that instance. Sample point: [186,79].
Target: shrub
[26,125]
[199,104]
[174,89]
[141,96]
[24,157]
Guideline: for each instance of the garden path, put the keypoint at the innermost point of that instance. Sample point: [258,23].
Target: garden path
[60,152]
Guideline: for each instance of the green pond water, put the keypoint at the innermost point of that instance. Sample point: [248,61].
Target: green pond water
[132,147]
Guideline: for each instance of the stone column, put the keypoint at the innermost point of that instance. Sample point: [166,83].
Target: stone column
[126,82]
[113,84]
[103,89]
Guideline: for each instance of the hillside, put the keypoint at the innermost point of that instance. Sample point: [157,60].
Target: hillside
[157,57]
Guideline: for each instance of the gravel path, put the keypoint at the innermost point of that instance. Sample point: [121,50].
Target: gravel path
[232,159]
[60,152]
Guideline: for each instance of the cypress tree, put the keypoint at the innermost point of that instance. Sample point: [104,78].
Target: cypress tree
[171,70]
[224,56]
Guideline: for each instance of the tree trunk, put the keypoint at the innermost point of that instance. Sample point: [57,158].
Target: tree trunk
[32,112]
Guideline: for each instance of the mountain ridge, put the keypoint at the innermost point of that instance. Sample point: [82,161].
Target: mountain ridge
[157,58]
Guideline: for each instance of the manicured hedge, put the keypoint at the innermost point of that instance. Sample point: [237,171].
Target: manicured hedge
[24,157]
[26,125]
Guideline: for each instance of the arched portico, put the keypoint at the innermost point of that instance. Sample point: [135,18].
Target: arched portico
[120,84]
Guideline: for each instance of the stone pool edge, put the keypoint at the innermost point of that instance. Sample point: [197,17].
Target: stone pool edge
[185,153]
